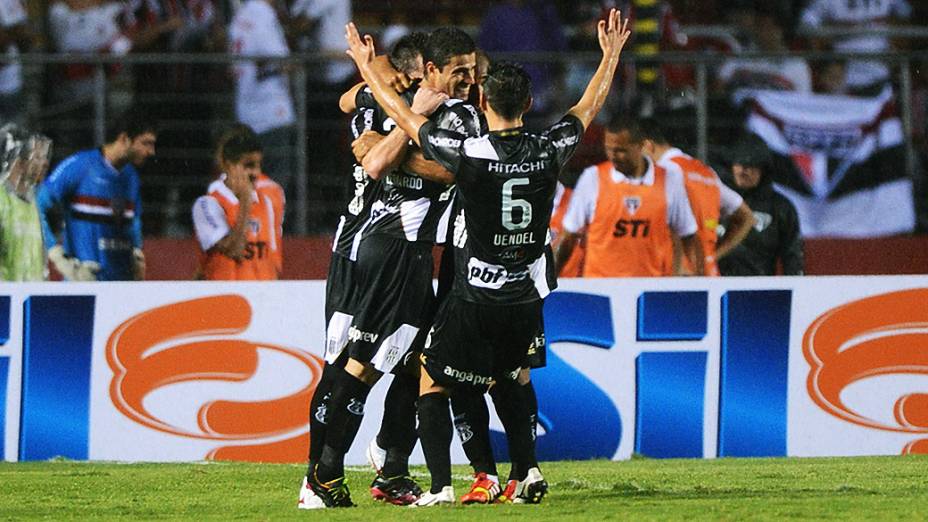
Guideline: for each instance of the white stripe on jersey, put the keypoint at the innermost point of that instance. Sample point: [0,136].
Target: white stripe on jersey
[441,234]
[270,222]
[413,215]
[99,210]
[338,232]
[480,148]
[539,274]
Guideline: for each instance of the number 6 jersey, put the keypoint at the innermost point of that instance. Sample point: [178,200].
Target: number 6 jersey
[505,185]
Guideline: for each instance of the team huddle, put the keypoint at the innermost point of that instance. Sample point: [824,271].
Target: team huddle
[445,160]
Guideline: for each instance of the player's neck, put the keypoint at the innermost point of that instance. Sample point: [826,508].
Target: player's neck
[496,122]
[113,153]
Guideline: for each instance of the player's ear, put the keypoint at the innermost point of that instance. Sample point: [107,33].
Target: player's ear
[528,104]
[484,104]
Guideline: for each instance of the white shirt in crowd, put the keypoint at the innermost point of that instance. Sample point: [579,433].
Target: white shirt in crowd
[729,199]
[582,207]
[12,14]
[262,91]
[331,16]
[865,15]
[95,29]
[790,74]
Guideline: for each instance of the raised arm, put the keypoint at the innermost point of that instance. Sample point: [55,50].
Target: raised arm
[613,33]
[362,52]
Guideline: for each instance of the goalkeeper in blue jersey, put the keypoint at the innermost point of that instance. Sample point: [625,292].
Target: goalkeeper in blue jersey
[23,164]
[91,207]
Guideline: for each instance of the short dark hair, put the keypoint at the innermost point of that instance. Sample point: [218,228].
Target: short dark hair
[652,130]
[238,141]
[751,151]
[508,89]
[134,122]
[445,42]
[406,50]
[621,122]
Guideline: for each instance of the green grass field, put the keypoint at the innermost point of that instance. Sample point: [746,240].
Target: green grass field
[640,489]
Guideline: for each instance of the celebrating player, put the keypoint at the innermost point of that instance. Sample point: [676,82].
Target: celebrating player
[506,182]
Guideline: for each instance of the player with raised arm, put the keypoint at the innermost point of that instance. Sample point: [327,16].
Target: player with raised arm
[506,182]
[394,304]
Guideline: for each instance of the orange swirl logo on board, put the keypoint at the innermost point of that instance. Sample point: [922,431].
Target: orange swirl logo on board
[881,335]
[191,341]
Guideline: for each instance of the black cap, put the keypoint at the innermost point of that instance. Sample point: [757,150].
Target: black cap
[750,151]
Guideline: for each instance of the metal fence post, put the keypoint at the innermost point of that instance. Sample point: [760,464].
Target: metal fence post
[905,85]
[99,104]
[302,163]
[702,112]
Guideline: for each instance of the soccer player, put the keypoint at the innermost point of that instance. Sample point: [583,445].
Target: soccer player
[394,267]
[506,182]
[97,193]
[24,164]
[710,199]
[341,293]
[629,207]
[239,221]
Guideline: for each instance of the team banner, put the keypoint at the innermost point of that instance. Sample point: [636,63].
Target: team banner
[687,367]
[839,159]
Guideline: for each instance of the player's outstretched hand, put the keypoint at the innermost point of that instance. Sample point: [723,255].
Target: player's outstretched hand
[613,33]
[427,100]
[361,51]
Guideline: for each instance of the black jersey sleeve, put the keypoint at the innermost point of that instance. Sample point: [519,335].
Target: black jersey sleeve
[461,118]
[364,99]
[363,120]
[564,137]
[443,146]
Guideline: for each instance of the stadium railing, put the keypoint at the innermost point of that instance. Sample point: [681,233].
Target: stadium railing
[186,164]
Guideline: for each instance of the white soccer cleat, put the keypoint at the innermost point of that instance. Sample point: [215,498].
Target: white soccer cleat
[376,456]
[443,497]
[532,489]
[308,498]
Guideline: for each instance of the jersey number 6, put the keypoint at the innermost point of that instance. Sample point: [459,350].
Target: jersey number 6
[509,204]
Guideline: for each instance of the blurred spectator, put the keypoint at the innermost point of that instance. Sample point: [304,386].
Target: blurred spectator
[15,36]
[92,200]
[325,21]
[573,266]
[629,207]
[831,77]
[83,26]
[24,164]
[239,222]
[788,74]
[709,199]
[862,76]
[539,30]
[262,88]
[775,239]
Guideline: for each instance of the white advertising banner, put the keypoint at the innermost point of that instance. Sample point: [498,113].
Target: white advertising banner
[686,367]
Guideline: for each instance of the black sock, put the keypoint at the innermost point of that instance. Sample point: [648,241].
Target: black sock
[398,429]
[317,409]
[517,409]
[472,422]
[435,435]
[344,416]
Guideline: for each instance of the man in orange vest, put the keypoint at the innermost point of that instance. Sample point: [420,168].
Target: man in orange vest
[710,199]
[630,209]
[239,222]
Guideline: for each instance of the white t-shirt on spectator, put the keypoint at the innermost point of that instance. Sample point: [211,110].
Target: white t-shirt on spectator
[729,199]
[95,29]
[12,14]
[582,207]
[864,15]
[262,92]
[331,16]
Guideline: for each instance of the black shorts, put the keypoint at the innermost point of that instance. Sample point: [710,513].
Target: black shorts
[340,296]
[537,354]
[475,344]
[395,300]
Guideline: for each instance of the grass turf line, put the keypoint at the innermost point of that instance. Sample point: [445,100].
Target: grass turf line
[641,489]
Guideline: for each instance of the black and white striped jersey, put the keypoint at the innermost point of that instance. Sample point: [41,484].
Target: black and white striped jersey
[366,189]
[505,187]
[414,208]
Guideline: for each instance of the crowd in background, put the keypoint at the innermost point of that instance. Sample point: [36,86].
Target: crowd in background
[194,102]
